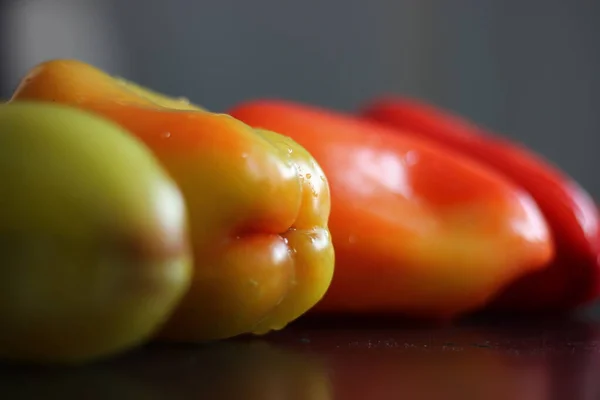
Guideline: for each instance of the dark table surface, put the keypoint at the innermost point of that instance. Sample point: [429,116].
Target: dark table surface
[370,360]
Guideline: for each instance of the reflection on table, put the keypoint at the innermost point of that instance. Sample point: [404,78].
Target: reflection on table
[532,362]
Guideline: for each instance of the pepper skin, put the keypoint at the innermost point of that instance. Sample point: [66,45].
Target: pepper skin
[417,230]
[92,85]
[573,277]
[258,208]
[94,254]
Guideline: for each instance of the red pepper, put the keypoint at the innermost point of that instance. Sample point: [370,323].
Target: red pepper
[573,278]
[416,229]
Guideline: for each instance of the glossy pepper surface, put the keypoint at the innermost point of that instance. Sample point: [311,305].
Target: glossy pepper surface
[417,229]
[72,82]
[94,254]
[258,206]
[573,276]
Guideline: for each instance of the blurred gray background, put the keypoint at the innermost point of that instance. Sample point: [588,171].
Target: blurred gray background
[526,69]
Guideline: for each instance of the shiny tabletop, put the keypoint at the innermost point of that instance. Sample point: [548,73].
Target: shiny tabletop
[342,359]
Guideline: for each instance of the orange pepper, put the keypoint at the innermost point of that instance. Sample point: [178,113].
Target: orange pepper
[573,277]
[417,229]
[258,204]
[72,81]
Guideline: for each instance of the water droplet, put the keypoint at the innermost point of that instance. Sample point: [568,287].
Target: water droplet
[308,176]
[313,189]
[290,151]
[311,235]
[183,100]
[351,239]
[166,135]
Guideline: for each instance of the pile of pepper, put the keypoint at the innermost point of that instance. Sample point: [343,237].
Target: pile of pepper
[129,216]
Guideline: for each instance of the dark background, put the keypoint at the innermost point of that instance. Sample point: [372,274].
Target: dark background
[527,69]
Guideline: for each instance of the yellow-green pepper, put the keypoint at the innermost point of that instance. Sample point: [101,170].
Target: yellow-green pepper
[258,203]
